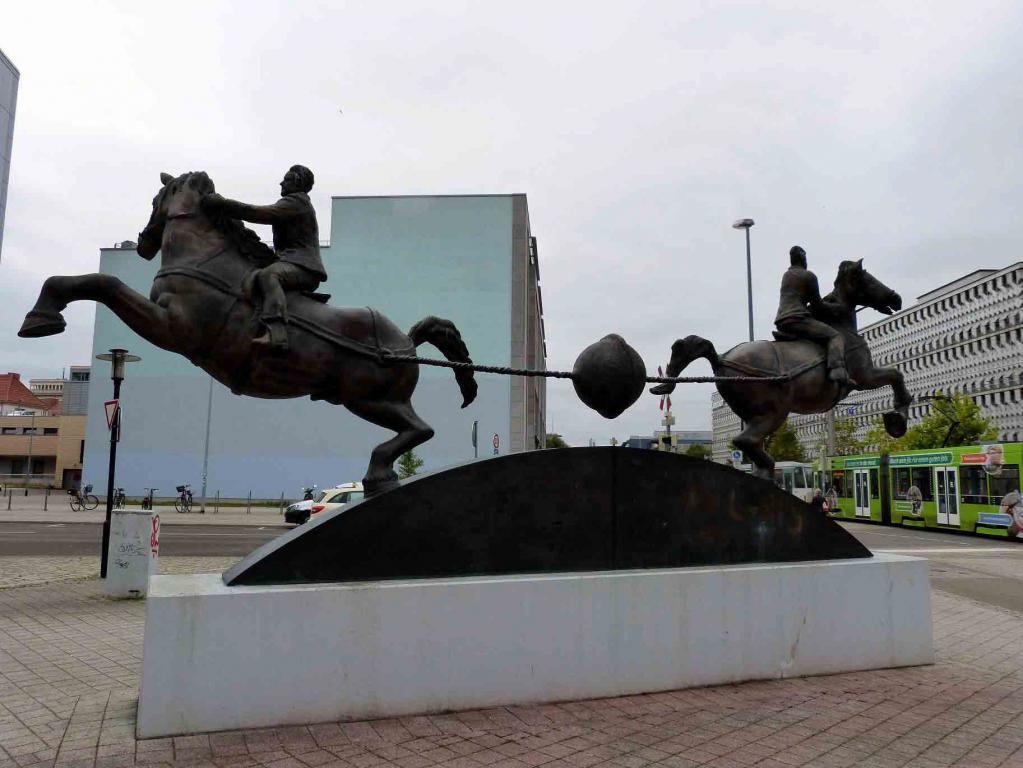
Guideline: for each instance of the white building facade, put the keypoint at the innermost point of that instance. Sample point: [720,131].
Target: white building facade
[8,99]
[964,337]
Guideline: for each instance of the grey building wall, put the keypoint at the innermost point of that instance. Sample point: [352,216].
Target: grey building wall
[8,100]
[76,391]
[963,337]
[460,257]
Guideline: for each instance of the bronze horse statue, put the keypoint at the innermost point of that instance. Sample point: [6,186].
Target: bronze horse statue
[764,406]
[198,308]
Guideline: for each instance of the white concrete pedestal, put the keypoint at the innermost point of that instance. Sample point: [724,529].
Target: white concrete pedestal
[220,657]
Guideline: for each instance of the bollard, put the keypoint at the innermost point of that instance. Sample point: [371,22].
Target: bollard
[281,510]
[248,504]
[8,502]
[46,500]
[216,504]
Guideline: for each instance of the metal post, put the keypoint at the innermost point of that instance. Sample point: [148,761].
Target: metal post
[248,504]
[114,428]
[31,437]
[46,500]
[206,446]
[749,285]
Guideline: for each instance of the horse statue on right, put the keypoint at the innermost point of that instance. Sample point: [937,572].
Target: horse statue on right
[806,387]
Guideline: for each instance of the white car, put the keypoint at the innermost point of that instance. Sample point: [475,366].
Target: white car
[324,501]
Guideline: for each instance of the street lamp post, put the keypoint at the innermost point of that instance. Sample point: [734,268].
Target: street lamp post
[746,224]
[117,359]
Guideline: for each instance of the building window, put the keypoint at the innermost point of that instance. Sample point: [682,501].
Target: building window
[49,430]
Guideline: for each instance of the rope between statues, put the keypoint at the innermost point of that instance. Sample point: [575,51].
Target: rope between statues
[506,371]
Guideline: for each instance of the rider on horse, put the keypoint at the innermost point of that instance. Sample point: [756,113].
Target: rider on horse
[296,244]
[799,305]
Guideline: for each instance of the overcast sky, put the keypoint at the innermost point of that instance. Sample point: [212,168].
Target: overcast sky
[889,131]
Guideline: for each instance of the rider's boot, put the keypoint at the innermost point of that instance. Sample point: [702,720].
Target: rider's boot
[840,376]
[275,339]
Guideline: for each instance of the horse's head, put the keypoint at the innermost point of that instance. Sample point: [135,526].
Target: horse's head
[862,288]
[178,198]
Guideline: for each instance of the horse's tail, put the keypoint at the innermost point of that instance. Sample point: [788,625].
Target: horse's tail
[445,336]
[683,352]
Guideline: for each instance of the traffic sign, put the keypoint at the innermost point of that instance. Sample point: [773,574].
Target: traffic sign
[111,407]
[497,441]
[737,455]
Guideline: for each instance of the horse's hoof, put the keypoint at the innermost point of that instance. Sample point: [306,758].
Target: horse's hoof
[662,389]
[894,423]
[38,324]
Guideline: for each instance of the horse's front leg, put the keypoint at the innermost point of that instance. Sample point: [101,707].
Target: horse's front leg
[146,318]
[897,419]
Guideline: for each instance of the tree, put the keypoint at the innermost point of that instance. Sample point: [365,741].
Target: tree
[783,445]
[554,440]
[698,451]
[408,464]
[846,443]
[955,420]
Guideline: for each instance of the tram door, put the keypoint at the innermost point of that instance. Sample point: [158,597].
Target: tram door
[947,495]
[861,487]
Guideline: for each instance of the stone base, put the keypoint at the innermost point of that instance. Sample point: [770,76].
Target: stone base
[219,657]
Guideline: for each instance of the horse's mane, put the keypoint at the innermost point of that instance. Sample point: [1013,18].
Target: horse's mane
[241,237]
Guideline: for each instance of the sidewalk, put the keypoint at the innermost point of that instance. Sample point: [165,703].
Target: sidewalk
[70,662]
[61,514]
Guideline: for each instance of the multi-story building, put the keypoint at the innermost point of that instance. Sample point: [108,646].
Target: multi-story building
[38,445]
[963,337]
[471,259]
[8,100]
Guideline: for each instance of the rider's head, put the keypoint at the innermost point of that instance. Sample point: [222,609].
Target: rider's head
[797,257]
[297,179]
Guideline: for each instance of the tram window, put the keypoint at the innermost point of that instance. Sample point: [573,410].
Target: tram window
[973,485]
[922,480]
[800,480]
[1005,482]
[875,492]
[900,483]
[838,481]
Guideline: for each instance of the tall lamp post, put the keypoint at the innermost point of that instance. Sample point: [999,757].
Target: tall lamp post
[117,359]
[746,224]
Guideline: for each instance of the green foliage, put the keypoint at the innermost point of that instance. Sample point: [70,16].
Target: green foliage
[971,427]
[846,443]
[554,440]
[408,464]
[698,451]
[783,445]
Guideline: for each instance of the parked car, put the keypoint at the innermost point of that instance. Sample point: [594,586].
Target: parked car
[324,501]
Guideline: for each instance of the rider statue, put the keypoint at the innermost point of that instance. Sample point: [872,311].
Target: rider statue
[798,309]
[296,245]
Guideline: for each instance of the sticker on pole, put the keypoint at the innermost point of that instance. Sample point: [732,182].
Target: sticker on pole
[497,443]
[111,407]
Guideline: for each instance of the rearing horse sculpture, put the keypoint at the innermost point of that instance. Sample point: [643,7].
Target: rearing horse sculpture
[764,406]
[197,308]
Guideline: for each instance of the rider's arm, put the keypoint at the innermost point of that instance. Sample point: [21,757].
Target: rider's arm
[282,210]
[812,292]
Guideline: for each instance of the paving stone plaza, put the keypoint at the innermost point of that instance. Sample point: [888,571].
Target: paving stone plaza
[70,661]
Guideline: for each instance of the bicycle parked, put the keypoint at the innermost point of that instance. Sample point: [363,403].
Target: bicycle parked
[147,500]
[80,501]
[119,498]
[184,501]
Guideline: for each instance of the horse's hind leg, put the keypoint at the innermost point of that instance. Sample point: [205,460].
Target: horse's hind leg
[412,431]
[143,316]
[751,442]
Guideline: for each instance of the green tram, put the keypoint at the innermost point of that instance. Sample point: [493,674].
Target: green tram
[968,488]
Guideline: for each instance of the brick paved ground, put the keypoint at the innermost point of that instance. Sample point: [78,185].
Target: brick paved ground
[70,659]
